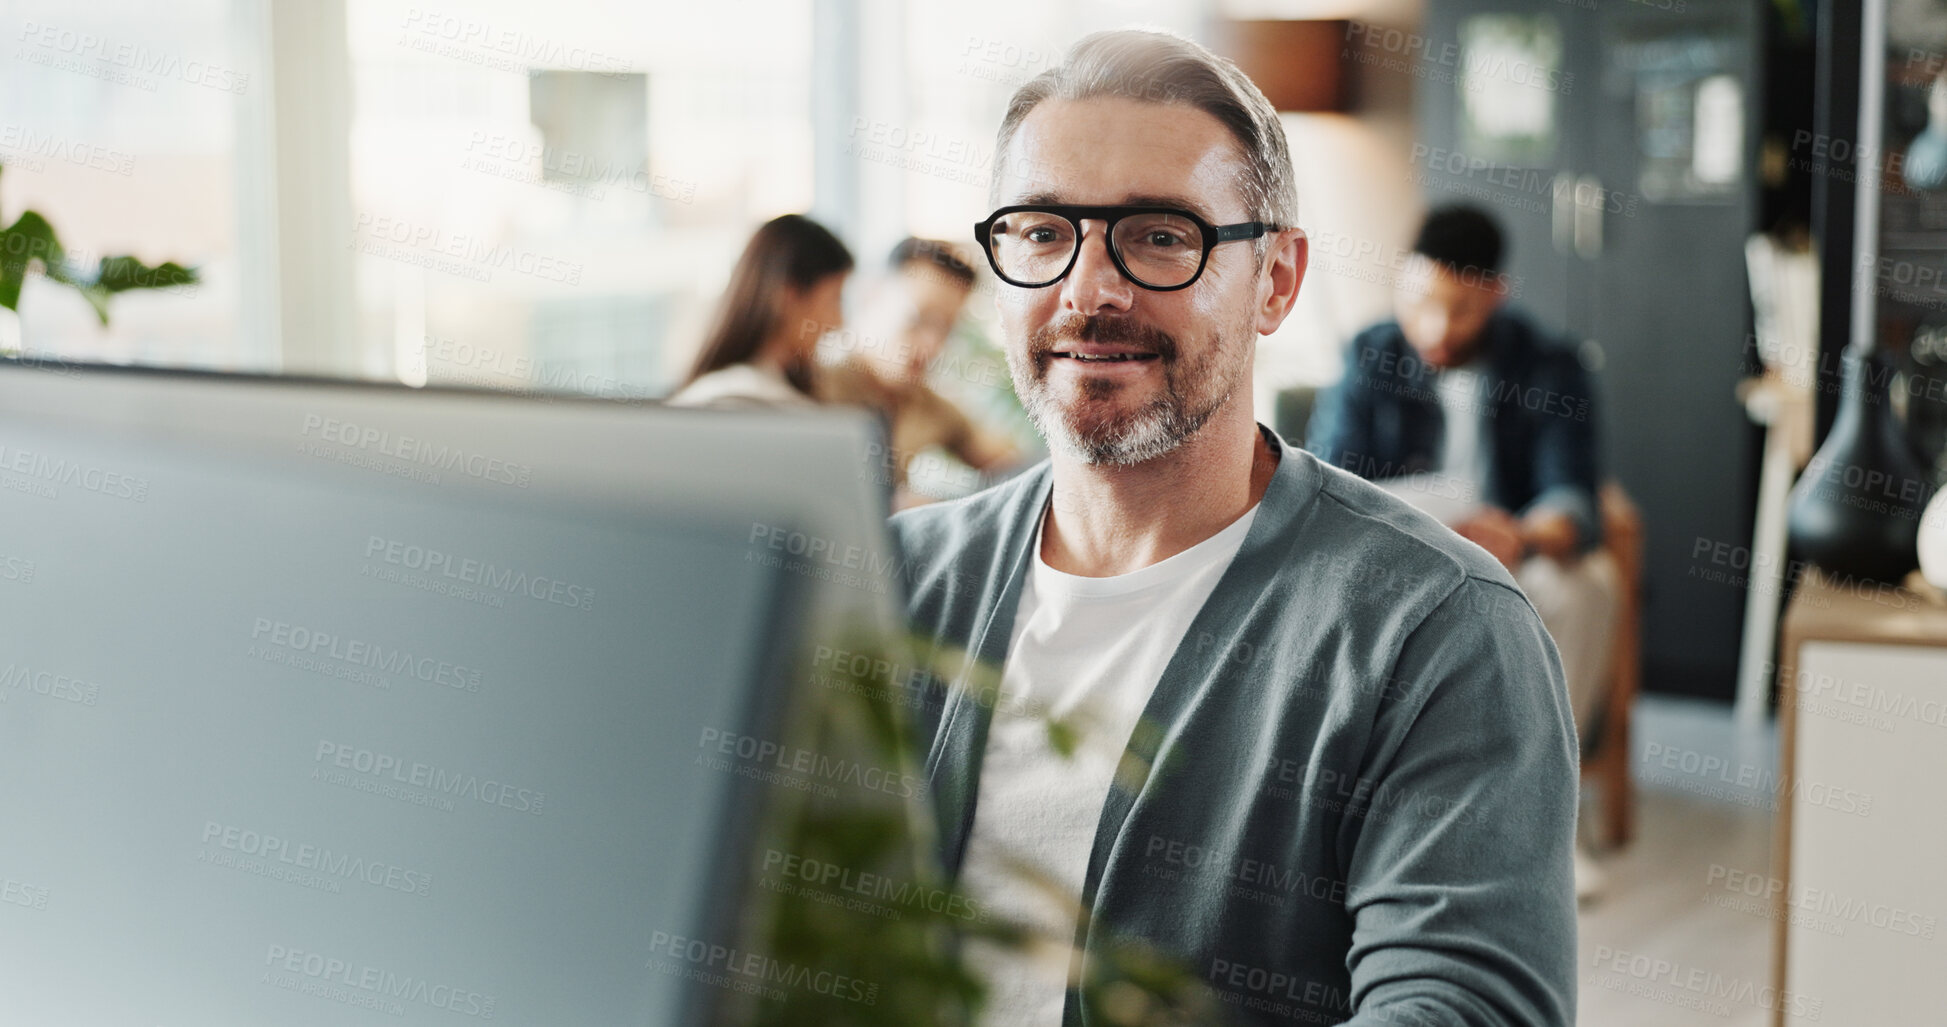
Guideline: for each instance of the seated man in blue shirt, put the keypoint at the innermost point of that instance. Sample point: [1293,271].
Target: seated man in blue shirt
[1212,703]
[1464,407]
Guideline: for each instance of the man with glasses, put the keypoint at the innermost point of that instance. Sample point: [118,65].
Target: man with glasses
[1226,726]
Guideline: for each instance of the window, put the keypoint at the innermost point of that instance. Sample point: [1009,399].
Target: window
[120,128]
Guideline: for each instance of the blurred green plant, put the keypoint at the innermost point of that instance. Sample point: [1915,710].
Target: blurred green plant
[909,943]
[31,240]
[983,384]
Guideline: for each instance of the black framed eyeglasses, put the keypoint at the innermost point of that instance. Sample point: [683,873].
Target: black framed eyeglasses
[1158,248]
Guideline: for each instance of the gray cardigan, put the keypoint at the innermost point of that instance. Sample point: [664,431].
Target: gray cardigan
[1352,795]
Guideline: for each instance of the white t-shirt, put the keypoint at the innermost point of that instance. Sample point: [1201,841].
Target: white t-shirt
[1086,651]
[1464,456]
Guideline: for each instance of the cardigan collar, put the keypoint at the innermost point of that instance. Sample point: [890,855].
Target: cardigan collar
[960,745]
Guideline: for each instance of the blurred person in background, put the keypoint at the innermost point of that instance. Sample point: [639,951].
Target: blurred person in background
[1487,421]
[904,326]
[784,295]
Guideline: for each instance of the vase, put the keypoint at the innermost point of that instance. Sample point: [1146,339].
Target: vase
[1933,542]
[1855,512]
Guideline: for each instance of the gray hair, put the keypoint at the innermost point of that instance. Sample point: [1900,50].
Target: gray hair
[1161,67]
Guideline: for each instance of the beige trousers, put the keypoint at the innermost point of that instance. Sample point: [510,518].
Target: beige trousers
[1578,603]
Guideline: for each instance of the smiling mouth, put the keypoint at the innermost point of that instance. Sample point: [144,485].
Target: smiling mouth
[1105,358]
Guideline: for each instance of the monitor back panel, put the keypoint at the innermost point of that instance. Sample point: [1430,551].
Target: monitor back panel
[316,739]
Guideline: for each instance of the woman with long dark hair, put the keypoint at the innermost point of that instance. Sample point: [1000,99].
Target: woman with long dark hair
[783,296]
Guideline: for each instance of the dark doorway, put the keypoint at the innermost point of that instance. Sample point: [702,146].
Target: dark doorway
[1618,144]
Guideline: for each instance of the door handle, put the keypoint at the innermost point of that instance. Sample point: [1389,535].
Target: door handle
[1588,217]
[1563,210]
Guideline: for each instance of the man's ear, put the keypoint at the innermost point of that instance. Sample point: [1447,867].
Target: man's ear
[1283,274]
[1498,289]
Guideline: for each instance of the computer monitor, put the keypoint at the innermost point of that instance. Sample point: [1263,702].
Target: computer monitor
[326,703]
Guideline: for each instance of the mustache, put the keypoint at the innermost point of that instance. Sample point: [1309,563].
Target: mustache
[1099,329]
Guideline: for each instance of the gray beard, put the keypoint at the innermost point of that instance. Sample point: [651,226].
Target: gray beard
[1155,430]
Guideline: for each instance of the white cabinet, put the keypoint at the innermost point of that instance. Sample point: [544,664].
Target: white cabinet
[1860,893]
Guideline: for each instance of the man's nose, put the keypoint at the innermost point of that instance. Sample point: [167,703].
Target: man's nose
[1094,284]
[1435,327]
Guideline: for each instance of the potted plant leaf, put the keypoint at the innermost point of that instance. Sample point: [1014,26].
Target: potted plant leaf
[30,242]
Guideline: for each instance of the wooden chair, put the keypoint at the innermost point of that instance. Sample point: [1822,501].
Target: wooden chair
[1607,758]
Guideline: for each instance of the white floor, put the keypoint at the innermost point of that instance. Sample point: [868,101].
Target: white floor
[1668,941]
